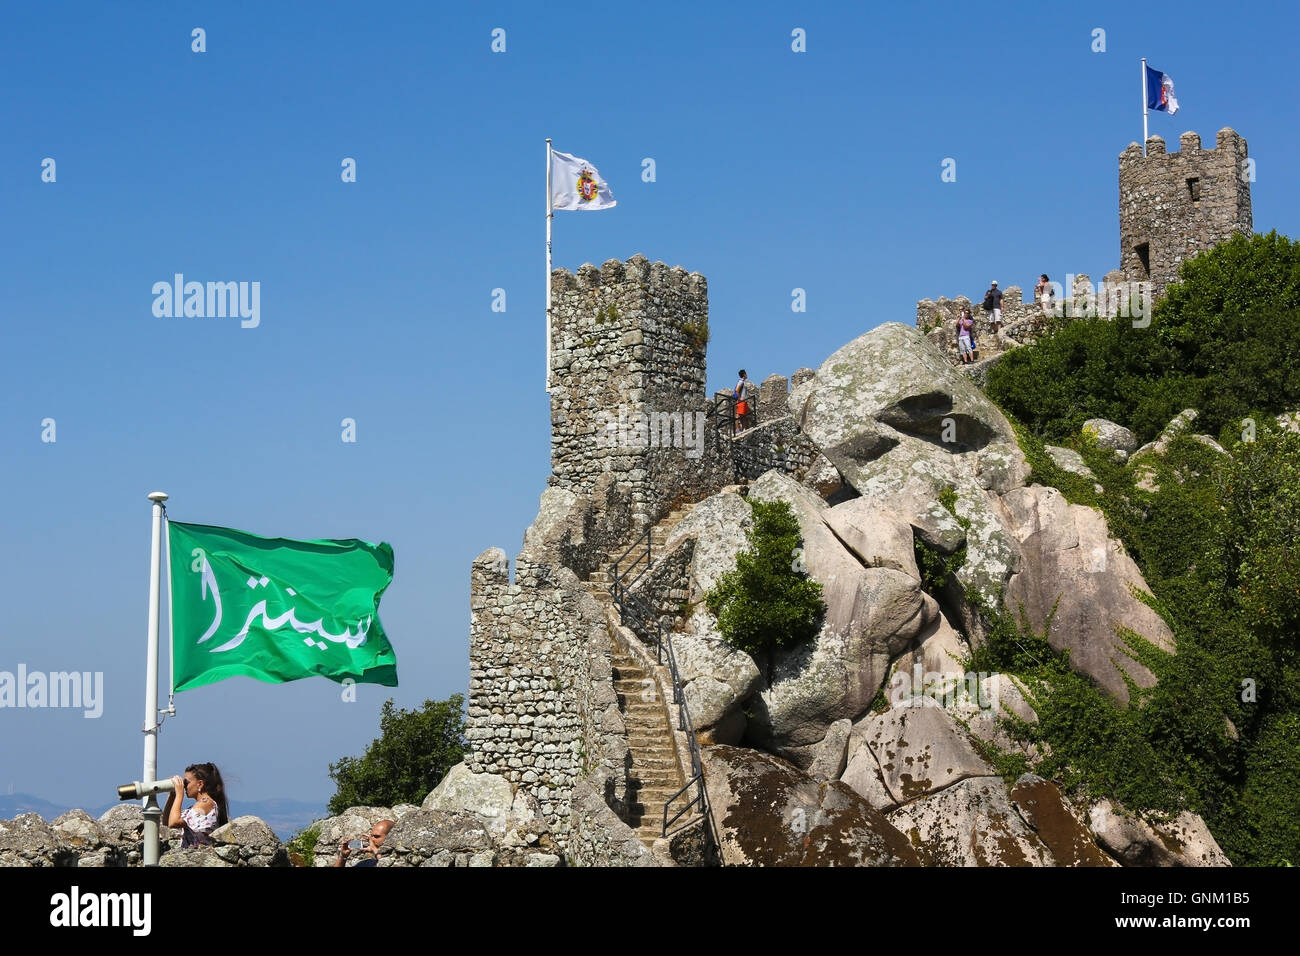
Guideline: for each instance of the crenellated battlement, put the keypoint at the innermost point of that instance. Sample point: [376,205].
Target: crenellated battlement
[1174,205]
[629,342]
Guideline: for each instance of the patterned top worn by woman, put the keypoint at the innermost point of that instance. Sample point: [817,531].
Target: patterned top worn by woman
[198,827]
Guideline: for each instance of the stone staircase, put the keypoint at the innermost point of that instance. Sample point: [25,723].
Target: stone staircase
[655,774]
[599,581]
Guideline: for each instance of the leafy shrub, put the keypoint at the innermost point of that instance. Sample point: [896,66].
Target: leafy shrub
[767,601]
[697,333]
[1217,545]
[413,752]
[1224,340]
[303,845]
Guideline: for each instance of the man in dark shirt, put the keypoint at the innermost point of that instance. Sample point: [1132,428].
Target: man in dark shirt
[993,305]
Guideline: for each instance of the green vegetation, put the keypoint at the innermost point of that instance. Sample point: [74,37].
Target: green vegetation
[303,845]
[413,752]
[1217,540]
[937,568]
[697,333]
[768,601]
[1225,340]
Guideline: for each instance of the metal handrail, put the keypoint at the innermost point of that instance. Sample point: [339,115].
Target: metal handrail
[727,404]
[634,608]
[686,724]
[619,586]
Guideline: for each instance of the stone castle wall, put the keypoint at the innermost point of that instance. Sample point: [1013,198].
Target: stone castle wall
[629,340]
[1022,322]
[542,710]
[1179,204]
[1172,206]
[628,347]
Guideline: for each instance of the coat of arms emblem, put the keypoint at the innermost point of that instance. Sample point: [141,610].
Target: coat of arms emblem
[588,188]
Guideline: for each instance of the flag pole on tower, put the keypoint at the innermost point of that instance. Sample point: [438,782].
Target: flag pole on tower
[1144,106]
[550,214]
[152,813]
[580,187]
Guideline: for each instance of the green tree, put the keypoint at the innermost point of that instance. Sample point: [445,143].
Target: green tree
[1261,496]
[413,752]
[768,601]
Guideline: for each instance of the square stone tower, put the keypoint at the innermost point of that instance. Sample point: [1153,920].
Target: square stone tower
[1175,205]
[628,385]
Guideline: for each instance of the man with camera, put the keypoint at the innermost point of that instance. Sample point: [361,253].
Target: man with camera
[368,845]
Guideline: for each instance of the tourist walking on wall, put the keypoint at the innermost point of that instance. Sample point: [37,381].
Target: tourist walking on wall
[968,322]
[965,327]
[1043,293]
[744,396]
[993,305]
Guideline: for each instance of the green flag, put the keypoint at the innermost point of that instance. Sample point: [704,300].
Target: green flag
[276,609]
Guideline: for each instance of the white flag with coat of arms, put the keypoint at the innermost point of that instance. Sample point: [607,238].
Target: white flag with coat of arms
[577,184]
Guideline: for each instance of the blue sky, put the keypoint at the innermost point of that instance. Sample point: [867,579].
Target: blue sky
[775,170]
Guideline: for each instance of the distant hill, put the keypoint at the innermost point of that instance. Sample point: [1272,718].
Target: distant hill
[283,816]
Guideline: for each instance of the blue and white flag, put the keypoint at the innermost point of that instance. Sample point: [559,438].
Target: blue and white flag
[1160,92]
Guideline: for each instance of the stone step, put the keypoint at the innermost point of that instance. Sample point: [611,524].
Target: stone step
[665,771]
[650,722]
[654,790]
[645,745]
[666,774]
[656,752]
[653,811]
[643,733]
[642,738]
[652,796]
[643,760]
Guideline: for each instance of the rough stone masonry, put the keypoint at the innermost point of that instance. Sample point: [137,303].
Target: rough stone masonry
[1175,205]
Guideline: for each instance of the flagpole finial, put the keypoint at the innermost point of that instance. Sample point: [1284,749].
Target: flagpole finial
[157,497]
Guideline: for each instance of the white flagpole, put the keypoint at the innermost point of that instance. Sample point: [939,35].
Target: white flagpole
[152,813]
[1144,106]
[549,216]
